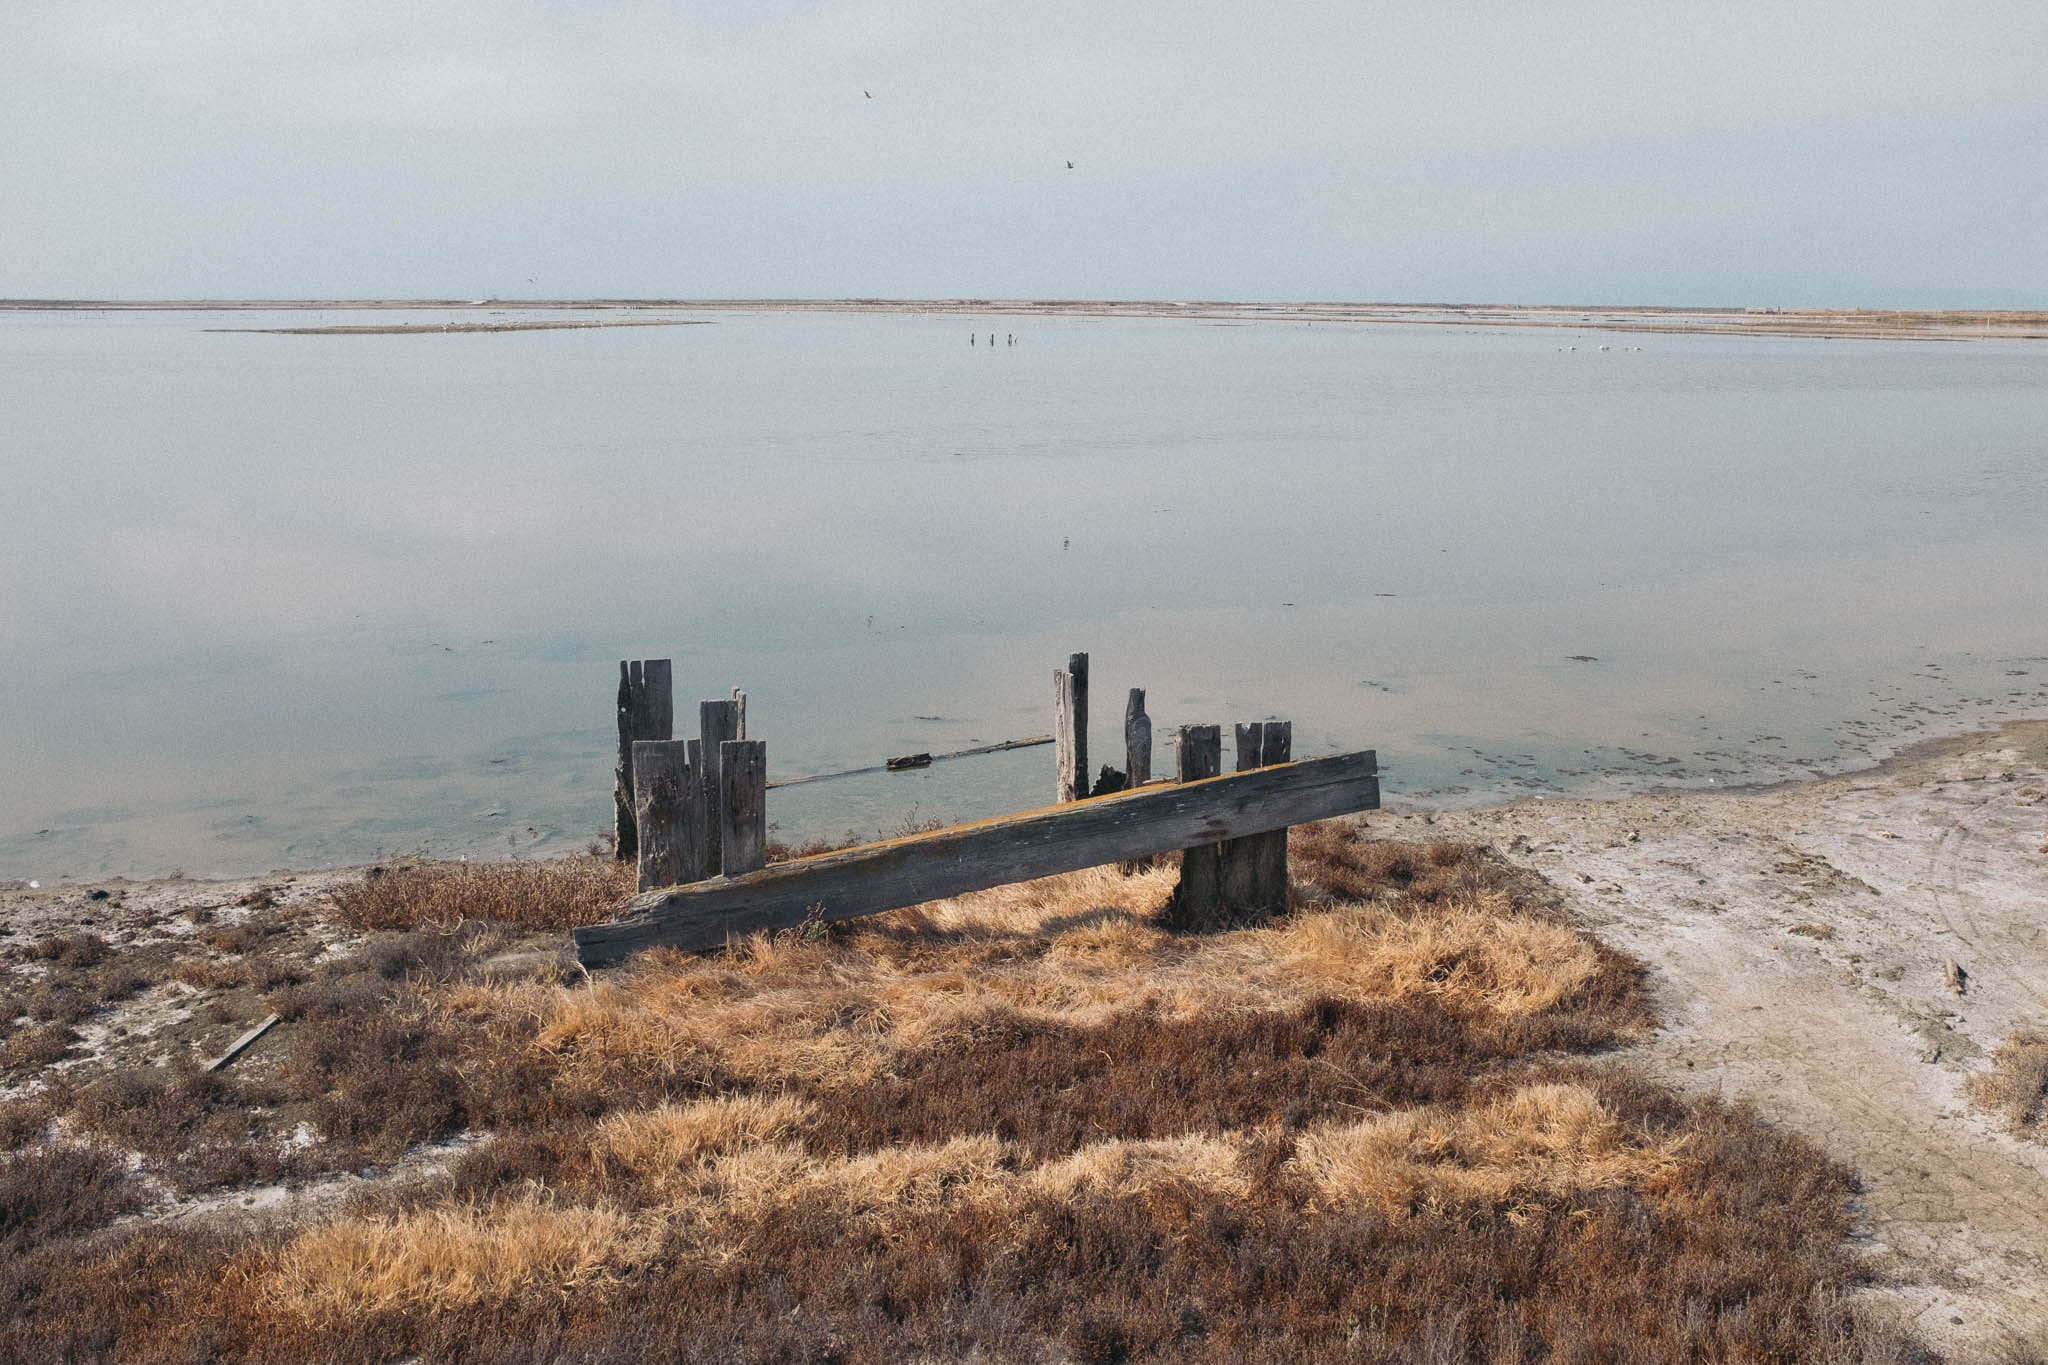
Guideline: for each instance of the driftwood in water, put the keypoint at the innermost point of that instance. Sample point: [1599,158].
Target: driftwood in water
[948,862]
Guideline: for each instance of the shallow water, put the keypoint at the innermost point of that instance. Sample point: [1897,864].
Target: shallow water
[301,600]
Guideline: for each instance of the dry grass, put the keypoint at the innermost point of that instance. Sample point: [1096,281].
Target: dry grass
[1030,1123]
[2016,1086]
[558,894]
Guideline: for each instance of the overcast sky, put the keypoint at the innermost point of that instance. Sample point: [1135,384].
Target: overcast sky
[1821,151]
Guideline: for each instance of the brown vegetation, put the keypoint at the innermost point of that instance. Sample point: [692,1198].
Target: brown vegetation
[552,895]
[1026,1123]
[2016,1086]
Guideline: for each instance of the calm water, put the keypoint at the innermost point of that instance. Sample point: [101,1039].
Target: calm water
[289,600]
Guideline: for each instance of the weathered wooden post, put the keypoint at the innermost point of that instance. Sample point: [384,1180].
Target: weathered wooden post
[1197,901]
[1254,867]
[646,711]
[661,777]
[1137,740]
[743,807]
[717,722]
[1070,727]
[696,844]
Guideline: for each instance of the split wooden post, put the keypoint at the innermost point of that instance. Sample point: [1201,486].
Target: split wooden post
[743,807]
[646,711]
[1070,727]
[1237,863]
[1137,740]
[696,843]
[661,779]
[1198,901]
[1269,850]
[717,722]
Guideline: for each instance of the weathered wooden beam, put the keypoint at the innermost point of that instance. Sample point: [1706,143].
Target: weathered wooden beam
[743,806]
[646,711]
[1070,728]
[661,776]
[1011,848]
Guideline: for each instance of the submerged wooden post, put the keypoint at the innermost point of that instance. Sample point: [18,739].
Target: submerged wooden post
[646,711]
[1198,899]
[661,777]
[743,808]
[1070,728]
[1137,740]
[717,722]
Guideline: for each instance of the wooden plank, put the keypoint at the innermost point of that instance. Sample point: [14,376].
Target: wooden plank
[661,775]
[743,806]
[646,711]
[242,1044]
[1011,848]
[1070,728]
[1198,900]
[1137,740]
[717,722]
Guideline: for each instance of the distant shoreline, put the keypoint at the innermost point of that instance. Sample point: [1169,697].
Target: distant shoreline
[1830,323]
[437,328]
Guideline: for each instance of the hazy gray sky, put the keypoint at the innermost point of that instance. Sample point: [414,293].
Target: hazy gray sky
[1832,151]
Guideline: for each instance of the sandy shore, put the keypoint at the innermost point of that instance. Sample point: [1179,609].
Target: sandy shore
[1796,938]
[1830,323]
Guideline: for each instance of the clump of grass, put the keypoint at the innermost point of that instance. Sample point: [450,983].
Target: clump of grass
[60,1190]
[74,951]
[2016,1086]
[554,895]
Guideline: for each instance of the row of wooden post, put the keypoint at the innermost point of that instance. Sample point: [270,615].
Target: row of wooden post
[1219,881]
[687,809]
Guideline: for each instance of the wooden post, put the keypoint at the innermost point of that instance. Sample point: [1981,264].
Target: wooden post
[717,722]
[1237,859]
[1070,727]
[696,843]
[743,808]
[661,777]
[1197,901]
[1270,848]
[646,711]
[1137,740]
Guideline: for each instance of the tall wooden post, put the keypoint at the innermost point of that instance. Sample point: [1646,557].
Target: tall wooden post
[1197,901]
[717,722]
[743,820]
[1270,851]
[1137,740]
[661,781]
[1070,727]
[646,711]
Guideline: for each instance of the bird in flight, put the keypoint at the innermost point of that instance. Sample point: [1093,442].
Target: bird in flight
[870,96]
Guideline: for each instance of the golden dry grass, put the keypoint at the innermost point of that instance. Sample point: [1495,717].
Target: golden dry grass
[1032,1122]
[2016,1086]
[557,894]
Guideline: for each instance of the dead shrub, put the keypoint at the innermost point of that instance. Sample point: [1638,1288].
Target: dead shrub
[555,895]
[2016,1086]
[74,951]
[196,1127]
[60,1190]
[38,1045]
[206,974]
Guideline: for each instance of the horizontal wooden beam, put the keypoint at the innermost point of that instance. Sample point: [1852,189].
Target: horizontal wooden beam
[1009,848]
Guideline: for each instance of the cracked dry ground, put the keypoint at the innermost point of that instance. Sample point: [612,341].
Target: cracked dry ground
[1798,938]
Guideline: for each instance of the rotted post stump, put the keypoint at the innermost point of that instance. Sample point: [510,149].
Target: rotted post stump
[646,711]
